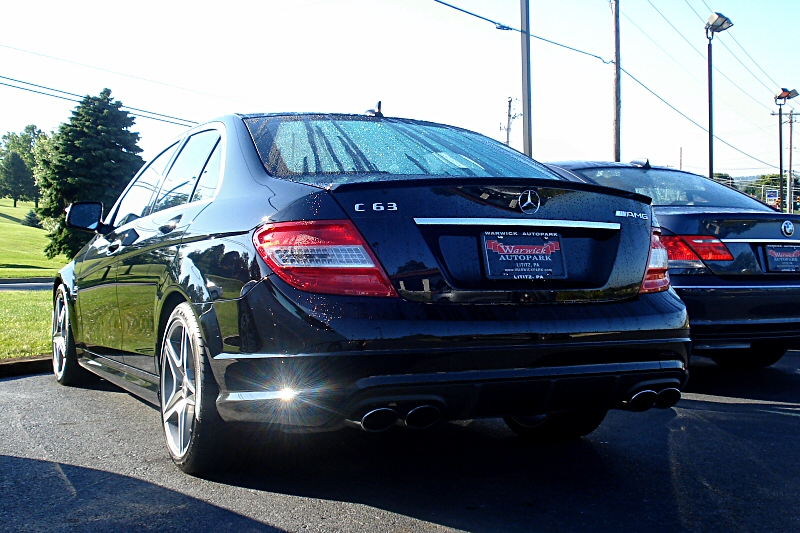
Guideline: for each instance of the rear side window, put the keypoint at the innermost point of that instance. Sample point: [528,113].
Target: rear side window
[671,187]
[325,149]
[138,197]
[182,177]
[209,178]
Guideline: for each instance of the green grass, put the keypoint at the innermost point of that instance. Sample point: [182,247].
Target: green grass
[25,319]
[22,247]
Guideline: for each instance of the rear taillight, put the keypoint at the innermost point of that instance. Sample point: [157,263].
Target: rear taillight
[689,251]
[328,257]
[656,278]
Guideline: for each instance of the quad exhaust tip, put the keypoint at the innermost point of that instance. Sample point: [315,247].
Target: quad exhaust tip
[422,417]
[645,399]
[378,420]
[667,398]
[642,400]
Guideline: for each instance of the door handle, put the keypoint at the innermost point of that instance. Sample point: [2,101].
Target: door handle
[114,247]
[170,225]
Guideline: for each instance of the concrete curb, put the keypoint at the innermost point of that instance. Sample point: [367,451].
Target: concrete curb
[26,366]
[8,281]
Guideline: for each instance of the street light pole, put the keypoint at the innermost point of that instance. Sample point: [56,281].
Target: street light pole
[717,22]
[780,99]
[527,133]
[710,112]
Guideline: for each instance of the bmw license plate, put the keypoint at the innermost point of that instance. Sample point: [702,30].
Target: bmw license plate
[514,255]
[783,258]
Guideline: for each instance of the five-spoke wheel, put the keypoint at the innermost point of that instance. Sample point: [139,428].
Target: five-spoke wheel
[65,361]
[192,426]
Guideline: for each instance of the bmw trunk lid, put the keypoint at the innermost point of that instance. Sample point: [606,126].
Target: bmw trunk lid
[503,240]
[760,244]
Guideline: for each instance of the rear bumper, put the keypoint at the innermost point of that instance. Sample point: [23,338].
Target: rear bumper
[457,395]
[312,364]
[736,316]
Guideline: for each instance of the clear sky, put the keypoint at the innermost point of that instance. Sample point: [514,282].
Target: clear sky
[198,60]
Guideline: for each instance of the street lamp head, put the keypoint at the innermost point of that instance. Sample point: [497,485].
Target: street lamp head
[783,95]
[718,22]
[786,94]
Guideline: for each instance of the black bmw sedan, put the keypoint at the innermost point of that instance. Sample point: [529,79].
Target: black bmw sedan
[733,260]
[316,271]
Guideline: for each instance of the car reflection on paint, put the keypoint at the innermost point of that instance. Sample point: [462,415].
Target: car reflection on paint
[733,260]
[311,272]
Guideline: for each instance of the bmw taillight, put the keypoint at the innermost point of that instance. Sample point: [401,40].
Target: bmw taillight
[689,251]
[328,257]
[656,278]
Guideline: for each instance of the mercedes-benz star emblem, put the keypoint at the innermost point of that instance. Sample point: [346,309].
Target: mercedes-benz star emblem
[529,202]
[787,228]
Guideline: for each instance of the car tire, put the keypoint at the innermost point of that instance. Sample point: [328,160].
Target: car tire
[556,426]
[193,429]
[755,357]
[65,359]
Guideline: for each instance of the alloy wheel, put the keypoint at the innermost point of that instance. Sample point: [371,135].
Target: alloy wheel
[180,388]
[60,331]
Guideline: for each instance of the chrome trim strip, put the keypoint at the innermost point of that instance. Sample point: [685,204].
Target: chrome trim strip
[255,396]
[536,223]
[735,287]
[774,241]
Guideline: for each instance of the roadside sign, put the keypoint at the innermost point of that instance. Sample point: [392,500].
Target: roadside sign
[771,197]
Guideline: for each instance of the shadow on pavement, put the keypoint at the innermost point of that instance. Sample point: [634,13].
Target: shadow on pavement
[45,496]
[777,383]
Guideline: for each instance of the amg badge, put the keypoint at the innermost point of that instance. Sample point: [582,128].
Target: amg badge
[631,214]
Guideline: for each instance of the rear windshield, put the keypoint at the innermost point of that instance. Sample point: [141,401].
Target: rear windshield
[671,187]
[327,149]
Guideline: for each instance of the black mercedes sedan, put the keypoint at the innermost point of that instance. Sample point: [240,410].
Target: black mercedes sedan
[733,260]
[310,272]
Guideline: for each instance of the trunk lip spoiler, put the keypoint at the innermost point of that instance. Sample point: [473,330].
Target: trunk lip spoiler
[461,181]
[533,222]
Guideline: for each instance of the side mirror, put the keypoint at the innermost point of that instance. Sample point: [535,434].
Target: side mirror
[85,216]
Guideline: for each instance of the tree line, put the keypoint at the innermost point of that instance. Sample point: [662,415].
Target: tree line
[91,157]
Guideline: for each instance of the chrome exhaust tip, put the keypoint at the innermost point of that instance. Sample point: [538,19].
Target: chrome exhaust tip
[378,420]
[642,400]
[422,417]
[667,398]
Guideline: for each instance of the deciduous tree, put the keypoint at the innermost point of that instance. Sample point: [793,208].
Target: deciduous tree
[16,179]
[91,158]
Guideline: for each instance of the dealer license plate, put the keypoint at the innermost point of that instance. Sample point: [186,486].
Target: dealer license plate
[514,255]
[783,258]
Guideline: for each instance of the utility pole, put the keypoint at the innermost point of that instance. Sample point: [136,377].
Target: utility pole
[527,142]
[681,163]
[508,124]
[617,85]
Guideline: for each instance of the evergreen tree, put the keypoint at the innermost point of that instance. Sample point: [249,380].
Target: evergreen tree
[16,179]
[91,158]
[31,220]
[24,144]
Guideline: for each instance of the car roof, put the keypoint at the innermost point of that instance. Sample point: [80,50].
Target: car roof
[575,164]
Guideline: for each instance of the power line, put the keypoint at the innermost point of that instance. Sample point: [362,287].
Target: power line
[148,80]
[732,53]
[704,58]
[79,101]
[648,89]
[775,84]
[687,70]
[81,97]
[501,26]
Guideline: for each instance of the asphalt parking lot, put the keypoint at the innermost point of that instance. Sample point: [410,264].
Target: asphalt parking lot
[724,459]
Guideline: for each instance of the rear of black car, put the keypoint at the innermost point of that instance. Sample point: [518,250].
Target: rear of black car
[734,261]
[428,273]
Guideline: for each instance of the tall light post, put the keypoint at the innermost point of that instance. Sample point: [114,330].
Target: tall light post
[780,99]
[717,22]
[527,124]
